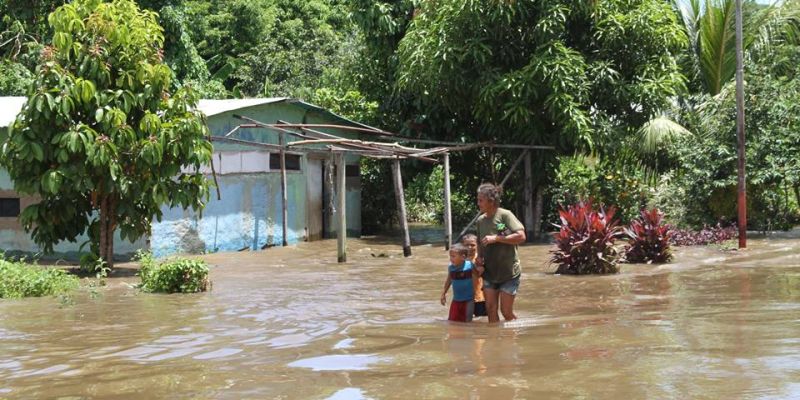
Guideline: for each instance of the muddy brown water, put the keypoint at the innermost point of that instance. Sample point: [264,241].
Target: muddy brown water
[293,324]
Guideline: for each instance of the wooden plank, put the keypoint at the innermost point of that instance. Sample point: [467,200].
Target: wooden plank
[341,193]
[401,205]
[448,217]
[528,197]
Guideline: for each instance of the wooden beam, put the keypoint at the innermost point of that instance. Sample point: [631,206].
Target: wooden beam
[448,219]
[341,215]
[379,132]
[528,197]
[284,197]
[401,206]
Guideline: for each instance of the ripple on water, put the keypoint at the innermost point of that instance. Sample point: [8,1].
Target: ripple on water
[217,354]
[348,394]
[338,362]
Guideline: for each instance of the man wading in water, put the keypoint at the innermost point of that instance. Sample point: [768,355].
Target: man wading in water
[499,233]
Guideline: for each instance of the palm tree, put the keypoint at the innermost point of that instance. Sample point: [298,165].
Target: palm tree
[711,31]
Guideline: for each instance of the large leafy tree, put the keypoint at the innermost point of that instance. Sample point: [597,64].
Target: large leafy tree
[555,72]
[101,140]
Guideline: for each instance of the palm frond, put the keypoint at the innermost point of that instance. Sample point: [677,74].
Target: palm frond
[717,44]
[659,132]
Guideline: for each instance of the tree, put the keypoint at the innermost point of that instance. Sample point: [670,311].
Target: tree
[563,73]
[101,140]
[711,59]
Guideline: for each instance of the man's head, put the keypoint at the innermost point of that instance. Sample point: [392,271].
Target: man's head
[489,196]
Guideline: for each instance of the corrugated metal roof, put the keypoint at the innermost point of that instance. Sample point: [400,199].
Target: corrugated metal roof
[214,107]
[9,108]
[329,113]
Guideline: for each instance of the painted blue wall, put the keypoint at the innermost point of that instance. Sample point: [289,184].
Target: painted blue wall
[249,214]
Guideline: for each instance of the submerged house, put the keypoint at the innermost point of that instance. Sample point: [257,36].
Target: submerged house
[248,215]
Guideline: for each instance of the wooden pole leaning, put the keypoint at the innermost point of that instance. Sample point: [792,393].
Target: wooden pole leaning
[401,205]
[528,203]
[448,214]
[508,175]
[341,215]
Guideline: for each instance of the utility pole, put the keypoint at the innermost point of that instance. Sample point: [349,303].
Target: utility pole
[742,190]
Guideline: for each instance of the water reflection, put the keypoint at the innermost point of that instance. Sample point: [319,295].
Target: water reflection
[292,323]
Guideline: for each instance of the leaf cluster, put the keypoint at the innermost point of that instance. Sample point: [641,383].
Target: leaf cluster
[648,239]
[173,276]
[585,241]
[18,280]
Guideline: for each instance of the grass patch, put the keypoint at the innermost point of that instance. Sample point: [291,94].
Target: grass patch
[19,279]
[180,275]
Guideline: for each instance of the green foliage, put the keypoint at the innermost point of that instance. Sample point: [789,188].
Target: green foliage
[101,140]
[14,78]
[18,280]
[710,25]
[425,199]
[707,179]
[563,73]
[581,178]
[173,276]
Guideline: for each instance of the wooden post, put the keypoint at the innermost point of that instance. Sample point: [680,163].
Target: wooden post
[284,197]
[341,215]
[538,209]
[401,205]
[448,217]
[528,194]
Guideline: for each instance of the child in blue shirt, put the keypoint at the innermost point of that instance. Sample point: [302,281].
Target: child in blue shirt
[459,275]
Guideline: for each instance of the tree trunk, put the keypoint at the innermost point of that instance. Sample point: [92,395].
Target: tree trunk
[107,231]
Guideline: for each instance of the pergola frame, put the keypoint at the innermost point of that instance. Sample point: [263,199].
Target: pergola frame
[337,146]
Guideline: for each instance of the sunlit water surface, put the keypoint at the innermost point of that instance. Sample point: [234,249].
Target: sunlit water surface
[293,324]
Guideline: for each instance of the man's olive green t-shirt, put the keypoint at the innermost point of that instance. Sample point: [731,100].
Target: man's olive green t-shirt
[500,259]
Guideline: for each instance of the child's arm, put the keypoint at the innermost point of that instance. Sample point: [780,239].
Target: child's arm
[447,283]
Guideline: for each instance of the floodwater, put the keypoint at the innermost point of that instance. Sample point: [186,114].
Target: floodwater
[293,324]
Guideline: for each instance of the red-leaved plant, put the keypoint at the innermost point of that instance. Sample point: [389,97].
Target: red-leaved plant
[648,239]
[585,240]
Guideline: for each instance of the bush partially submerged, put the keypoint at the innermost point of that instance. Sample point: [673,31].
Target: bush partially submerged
[707,235]
[648,239]
[585,241]
[18,280]
[179,275]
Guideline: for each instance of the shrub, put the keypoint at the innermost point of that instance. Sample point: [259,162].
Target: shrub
[18,280]
[179,275]
[705,236]
[648,239]
[605,182]
[585,241]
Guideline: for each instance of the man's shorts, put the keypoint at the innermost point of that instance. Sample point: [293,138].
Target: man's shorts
[461,311]
[510,286]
